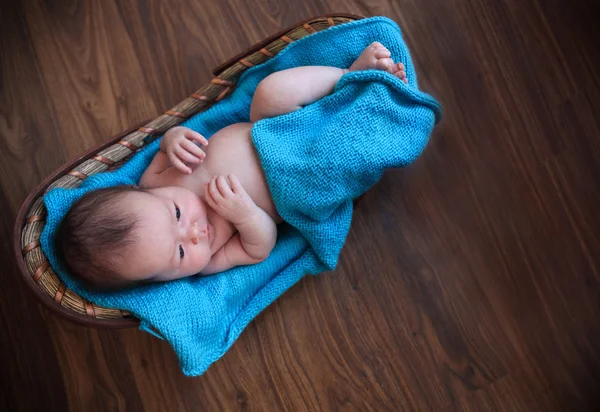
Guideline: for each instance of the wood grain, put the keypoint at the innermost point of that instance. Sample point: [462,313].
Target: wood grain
[470,281]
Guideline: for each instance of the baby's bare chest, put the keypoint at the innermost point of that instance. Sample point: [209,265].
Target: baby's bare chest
[231,151]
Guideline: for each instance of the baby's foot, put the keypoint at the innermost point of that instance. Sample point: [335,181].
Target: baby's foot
[377,56]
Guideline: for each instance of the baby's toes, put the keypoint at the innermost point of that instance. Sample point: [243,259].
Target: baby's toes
[384,64]
[402,76]
[382,52]
[398,67]
[399,71]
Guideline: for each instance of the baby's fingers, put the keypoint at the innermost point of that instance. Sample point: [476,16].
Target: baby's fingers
[192,135]
[208,197]
[193,149]
[186,156]
[178,164]
[236,185]
[223,186]
[214,191]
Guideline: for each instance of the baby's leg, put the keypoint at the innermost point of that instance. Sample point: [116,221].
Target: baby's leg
[289,90]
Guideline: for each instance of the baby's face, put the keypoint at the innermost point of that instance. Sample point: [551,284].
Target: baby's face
[174,237]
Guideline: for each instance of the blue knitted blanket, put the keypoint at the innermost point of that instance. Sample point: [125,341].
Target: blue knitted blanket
[316,160]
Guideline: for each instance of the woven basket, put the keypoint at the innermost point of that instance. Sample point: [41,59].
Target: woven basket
[32,262]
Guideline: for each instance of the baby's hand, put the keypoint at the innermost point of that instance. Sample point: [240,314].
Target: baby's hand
[229,199]
[180,145]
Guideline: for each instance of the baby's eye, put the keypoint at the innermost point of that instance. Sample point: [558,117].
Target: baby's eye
[177,213]
[181,252]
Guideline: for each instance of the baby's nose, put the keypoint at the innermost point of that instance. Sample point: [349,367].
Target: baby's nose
[195,233]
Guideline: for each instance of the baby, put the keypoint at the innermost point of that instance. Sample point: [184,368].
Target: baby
[196,210]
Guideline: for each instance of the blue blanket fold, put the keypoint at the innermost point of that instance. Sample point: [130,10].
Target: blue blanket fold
[316,160]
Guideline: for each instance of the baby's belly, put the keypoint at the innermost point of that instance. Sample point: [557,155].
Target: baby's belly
[230,151]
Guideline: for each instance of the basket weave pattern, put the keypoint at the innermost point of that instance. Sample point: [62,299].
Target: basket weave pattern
[115,155]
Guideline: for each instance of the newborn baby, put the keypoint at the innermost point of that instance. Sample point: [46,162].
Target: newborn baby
[196,210]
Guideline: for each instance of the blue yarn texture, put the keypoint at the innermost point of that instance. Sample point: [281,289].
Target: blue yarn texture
[316,160]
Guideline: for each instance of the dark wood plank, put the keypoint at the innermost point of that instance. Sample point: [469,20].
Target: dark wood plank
[94,80]
[470,280]
[517,392]
[29,151]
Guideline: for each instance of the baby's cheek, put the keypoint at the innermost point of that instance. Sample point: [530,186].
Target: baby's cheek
[202,258]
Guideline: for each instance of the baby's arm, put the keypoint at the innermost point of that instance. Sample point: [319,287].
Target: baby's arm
[257,232]
[288,90]
[151,177]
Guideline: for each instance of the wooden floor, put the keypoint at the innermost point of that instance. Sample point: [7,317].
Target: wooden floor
[470,281]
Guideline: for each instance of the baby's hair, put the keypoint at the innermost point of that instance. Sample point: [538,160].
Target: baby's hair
[95,236]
